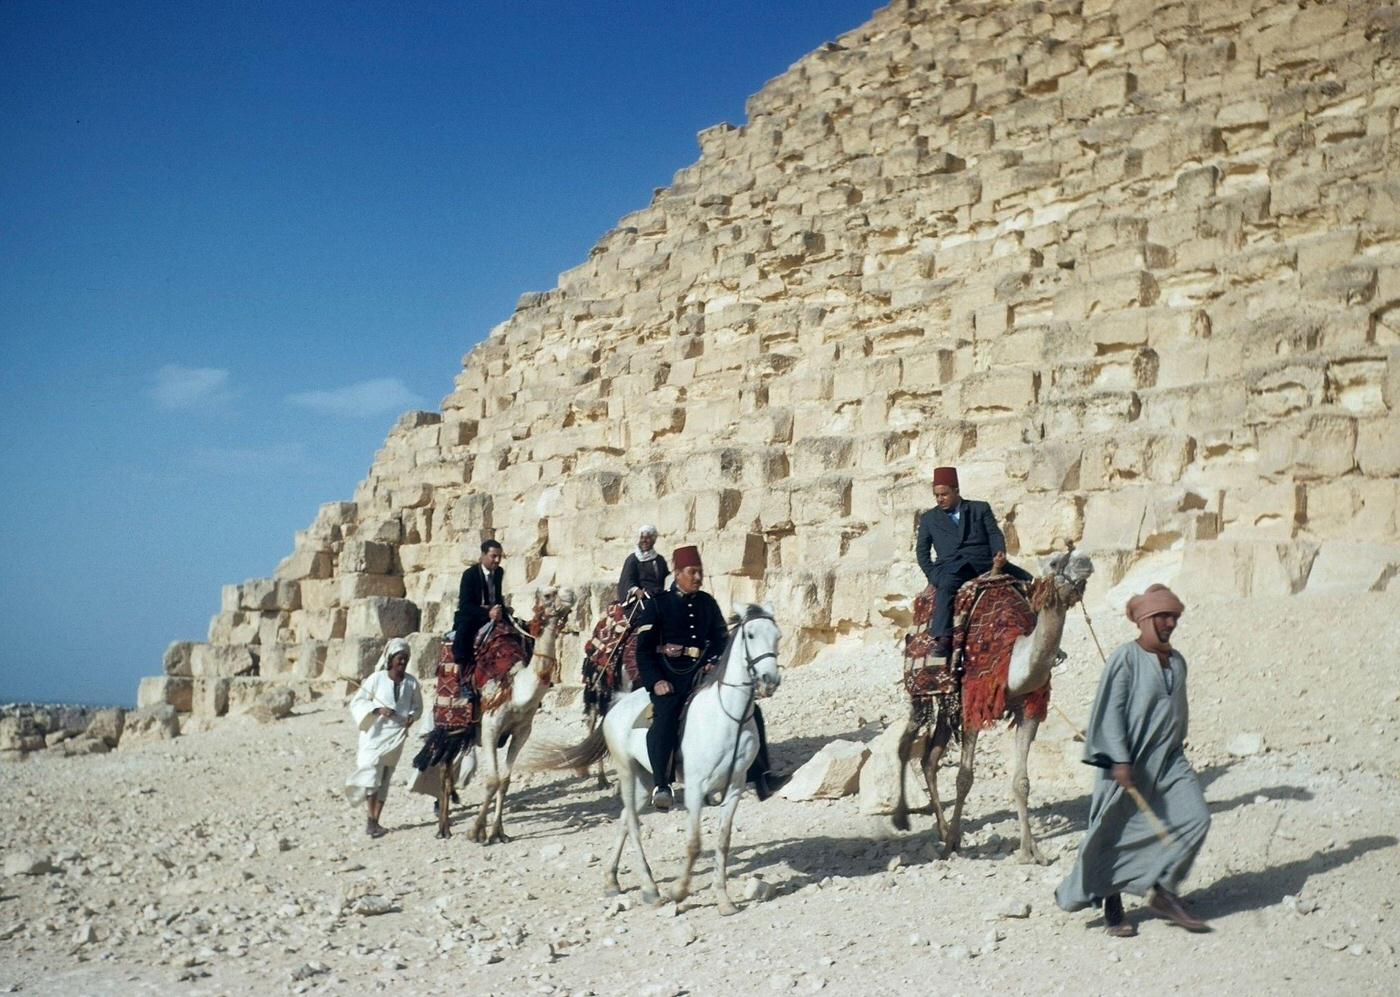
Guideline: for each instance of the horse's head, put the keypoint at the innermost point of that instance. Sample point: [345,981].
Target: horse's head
[1066,575]
[755,646]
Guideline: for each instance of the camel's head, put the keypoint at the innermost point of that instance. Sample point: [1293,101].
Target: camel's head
[755,646]
[1068,572]
[553,605]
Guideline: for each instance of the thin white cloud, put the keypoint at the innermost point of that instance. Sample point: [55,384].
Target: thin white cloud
[180,388]
[274,457]
[362,400]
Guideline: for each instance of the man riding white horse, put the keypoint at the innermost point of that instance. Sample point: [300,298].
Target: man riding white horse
[966,541]
[680,633]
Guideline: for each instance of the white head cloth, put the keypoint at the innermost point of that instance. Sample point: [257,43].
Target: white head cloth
[646,530]
[396,646]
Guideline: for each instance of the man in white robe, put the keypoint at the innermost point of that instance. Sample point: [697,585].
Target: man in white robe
[384,708]
[1148,817]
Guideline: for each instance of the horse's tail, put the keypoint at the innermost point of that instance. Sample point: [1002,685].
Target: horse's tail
[551,757]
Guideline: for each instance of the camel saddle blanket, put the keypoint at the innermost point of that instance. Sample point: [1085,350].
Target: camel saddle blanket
[990,612]
[455,705]
[500,652]
[926,676]
[612,645]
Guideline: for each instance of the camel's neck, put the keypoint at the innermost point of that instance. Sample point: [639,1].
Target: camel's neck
[544,659]
[1045,642]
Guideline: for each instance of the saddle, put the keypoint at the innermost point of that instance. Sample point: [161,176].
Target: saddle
[501,651]
[990,613]
[926,676]
[456,704]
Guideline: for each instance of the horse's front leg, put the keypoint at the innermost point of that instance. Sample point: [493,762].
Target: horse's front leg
[965,766]
[1021,786]
[694,801]
[639,789]
[726,826]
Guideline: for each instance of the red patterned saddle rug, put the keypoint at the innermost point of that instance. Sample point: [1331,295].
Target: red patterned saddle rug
[612,646]
[500,653]
[455,706]
[991,611]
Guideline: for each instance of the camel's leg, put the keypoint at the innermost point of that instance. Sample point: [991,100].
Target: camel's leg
[518,737]
[491,778]
[1021,786]
[933,756]
[444,801]
[694,802]
[650,894]
[969,751]
[726,825]
[906,741]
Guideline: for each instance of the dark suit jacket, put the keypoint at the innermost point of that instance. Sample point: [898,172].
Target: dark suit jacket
[473,603]
[973,542]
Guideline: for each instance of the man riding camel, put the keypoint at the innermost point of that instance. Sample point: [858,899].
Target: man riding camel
[479,601]
[681,633]
[967,542]
[645,569]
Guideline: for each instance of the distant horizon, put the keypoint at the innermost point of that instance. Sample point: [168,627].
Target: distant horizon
[237,243]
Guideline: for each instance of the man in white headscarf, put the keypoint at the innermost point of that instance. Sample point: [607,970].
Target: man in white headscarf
[644,569]
[384,708]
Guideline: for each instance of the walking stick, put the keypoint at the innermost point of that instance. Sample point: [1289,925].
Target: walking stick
[1158,827]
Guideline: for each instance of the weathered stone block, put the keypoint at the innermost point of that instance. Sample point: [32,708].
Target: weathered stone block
[380,617]
[353,658]
[177,692]
[356,586]
[365,557]
[833,772]
[1308,446]
[177,658]
[270,594]
[219,661]
[210,696]
[1342,568]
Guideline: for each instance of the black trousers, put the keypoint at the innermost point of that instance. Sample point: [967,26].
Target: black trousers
[663,737]
[947,580]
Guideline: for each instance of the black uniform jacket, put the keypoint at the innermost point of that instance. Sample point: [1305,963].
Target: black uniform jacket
[647,575]
[973,541]
[474,601]
[691,623]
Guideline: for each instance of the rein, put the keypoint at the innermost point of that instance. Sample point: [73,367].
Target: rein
[750,683]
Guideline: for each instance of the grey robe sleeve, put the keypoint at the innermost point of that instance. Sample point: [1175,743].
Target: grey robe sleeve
[1106,742]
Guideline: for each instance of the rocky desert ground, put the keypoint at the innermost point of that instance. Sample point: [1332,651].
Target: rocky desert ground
[226,861]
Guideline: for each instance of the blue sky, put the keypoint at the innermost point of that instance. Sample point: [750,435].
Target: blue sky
[238,239]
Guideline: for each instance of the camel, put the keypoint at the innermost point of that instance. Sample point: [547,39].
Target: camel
[508,714]
[1032,657]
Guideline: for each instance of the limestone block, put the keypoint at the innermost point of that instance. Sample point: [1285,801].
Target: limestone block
[276,659]
[210,696]
[273,629]
[306,563]
[156,722]
[357,586]
[219,661]
[1308,446]
[879,776]
[833,772]
[816,455]
[107,725]
[366,557]
[736,554]
[1342,567]
[1044,523]
[715,508]
[234,628]
[426,652]
[273,704]
[1264,509]
[177,658]
[230,599]
[171,690]
[353,658]
[270,594]
[243,693]
[327,625]
[381,617]
[1290,390]
[1358,385]
[1354,508]
[310,660]
[1115,519]
[320,594]
[821,501]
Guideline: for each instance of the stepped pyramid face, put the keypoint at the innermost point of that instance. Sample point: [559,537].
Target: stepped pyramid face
[1134,267]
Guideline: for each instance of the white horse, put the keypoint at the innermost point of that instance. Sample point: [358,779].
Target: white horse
[719,743]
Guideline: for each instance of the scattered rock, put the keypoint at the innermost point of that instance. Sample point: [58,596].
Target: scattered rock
[879,777]
[151,723]
[273,704]
[758,890]
[106,726]
[371,904]
[1012,908]
[27,864]
[1245,744]
[958,953]
[831,773]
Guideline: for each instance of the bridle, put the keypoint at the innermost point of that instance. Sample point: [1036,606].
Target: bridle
[750,683]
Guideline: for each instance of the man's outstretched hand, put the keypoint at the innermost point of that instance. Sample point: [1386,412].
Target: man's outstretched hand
[998,562]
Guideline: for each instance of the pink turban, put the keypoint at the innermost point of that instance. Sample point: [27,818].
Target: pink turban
[1157,599]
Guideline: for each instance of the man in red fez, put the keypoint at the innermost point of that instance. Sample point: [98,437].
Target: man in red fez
[679,633]
[965,540]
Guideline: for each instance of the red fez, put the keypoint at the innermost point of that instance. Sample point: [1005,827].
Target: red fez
[685,557]
[946,476]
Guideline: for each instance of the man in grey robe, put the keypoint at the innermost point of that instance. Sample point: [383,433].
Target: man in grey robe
[1135,736]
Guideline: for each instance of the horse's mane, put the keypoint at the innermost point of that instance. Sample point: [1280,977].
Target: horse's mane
[752,611]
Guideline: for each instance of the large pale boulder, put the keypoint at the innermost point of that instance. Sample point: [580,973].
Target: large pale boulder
[210,696]
[273,704]
[831,773]
[1341,568]
[107,725]
[879,776]
[177,692]
[151,723]
[222,661]
[177,658]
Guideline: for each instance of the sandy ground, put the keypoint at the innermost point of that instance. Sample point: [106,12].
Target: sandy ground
[226,861]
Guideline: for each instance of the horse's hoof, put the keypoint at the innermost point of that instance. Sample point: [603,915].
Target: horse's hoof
[901,822]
